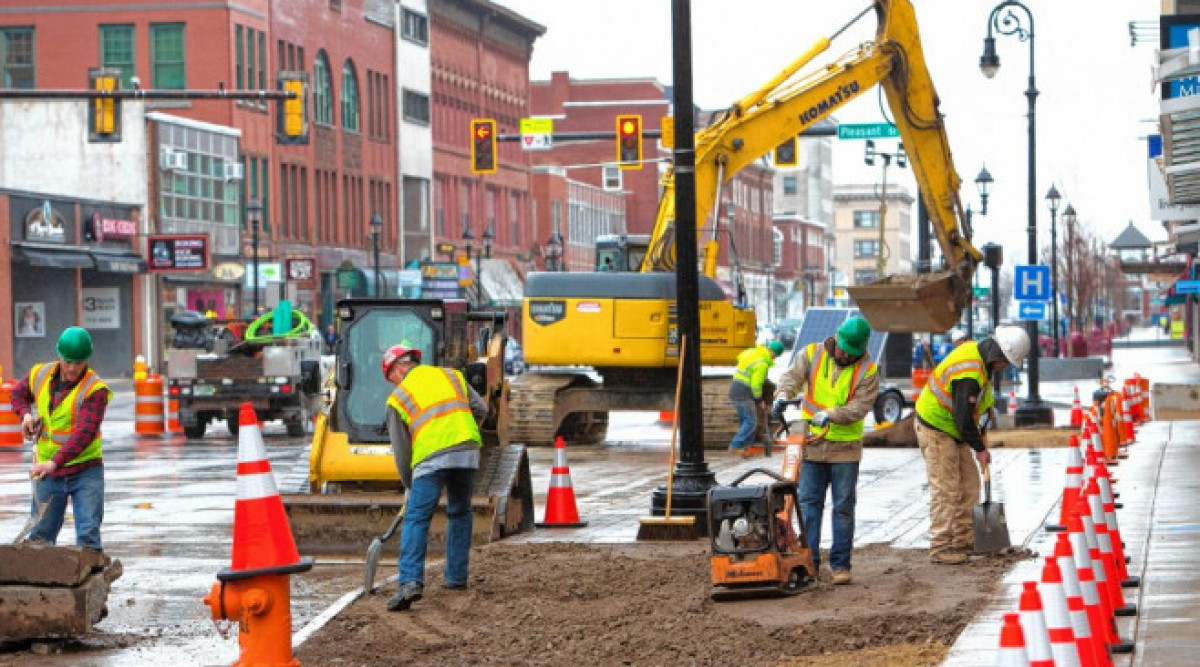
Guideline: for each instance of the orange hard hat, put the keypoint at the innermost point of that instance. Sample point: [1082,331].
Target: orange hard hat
[394,353]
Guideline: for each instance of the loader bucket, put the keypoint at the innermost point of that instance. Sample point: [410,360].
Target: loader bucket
[923,302]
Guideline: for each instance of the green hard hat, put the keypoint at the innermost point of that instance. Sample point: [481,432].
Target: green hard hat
[776,347]
[75,344]
[853,335]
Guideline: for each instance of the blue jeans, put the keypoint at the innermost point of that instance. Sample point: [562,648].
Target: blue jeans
[422,502]
[815,479]
[747,422]
[86,491]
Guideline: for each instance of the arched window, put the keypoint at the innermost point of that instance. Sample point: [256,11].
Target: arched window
[322,91]
[349,98]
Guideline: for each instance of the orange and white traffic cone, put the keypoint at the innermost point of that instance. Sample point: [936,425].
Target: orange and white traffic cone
[1111,552]
[1091,652]
[1012,401]
[1071,488]
[1091,573]
[1058,618]
[1012,643]
[1033,622]
[256,590]
[561,511]
[1076,411]
[1114,530]
[1128,435]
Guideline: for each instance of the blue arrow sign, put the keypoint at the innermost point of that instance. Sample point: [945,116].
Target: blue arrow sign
[1031,310]
[1032,282]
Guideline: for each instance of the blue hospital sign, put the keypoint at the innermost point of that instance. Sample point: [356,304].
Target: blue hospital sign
[1032,282]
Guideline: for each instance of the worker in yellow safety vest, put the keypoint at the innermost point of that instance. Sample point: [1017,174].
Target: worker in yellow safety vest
[958,394]
[840,384]
[746,391]
[433,419]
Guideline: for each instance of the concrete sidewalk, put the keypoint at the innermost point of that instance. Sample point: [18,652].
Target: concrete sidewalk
[1160,523]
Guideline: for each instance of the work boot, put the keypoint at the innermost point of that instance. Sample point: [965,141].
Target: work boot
[409,592]
[841,577]
[949,558]
[455,585]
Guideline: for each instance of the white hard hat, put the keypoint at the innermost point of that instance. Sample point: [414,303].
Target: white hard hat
[957,335]
[1013,342]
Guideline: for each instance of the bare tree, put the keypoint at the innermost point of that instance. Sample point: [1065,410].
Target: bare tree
[1086,274]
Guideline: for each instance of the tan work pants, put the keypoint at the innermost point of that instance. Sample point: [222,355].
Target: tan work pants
[953,490]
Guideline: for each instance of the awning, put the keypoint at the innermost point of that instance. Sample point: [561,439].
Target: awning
[502,287]
[119,262]
[54,258]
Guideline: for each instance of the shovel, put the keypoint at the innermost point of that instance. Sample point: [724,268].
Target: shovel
[991,528]
[40,507]
[376,549]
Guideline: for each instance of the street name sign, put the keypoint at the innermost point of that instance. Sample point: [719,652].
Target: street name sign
[867,131]
[1187,287]
[536,134]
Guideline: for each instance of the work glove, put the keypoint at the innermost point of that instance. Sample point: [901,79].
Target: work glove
[821,419]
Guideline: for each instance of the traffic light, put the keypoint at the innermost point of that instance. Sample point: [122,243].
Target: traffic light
[667,124]
[104,113]
[483,146]
[292,113]
[785,154]
[629,141]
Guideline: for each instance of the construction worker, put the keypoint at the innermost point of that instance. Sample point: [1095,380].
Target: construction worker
[958,394]
[746,391]
[433,419]
[61,405]
[840,383]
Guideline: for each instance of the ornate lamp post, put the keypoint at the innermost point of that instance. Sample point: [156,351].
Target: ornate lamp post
[554,251]
[1006,22]
[254,211]
[484,252]
[376,228]
[1053,199]
[1069,221]
[468,237]
[983,182]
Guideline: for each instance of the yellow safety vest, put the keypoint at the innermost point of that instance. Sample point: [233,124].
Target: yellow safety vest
[935,405]
[61,421]
[824,393]
[752,366]
[436,406]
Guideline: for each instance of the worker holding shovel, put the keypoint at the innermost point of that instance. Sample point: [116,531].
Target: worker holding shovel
[948,410]
[67,461]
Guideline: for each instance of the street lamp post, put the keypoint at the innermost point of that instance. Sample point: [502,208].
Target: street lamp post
[376,228]
[468,237]
[1069,221]
[554,251]
[484,253]
[901,161]
[1053,199]
[1004,21]
[254,211]
[984,183]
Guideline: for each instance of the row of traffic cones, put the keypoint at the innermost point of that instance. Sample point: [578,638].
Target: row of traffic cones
[1068,617]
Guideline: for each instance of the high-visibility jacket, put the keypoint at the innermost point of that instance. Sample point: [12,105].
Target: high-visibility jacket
[435,405]
[752,366]
[935,405]
[61,421]
[824,393]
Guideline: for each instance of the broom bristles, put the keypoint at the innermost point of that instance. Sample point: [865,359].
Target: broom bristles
[661,529]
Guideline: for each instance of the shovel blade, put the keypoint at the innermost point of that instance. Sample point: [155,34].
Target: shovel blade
[991,528]
[373,553]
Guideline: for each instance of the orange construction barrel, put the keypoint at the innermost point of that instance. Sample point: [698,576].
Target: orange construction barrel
[10,423]
[171,403]
[148,406]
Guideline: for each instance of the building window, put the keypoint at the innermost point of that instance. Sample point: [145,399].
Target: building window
[866,248]
[349,98]
[168,61]
[416,107]
[250,59]
[239,55]
[415,27]
[514,214]
[789,185]
[776,247]
[864,276]
[322,91]
[16,57]
[866,219]
[203,186]
[612,177]
[116,51]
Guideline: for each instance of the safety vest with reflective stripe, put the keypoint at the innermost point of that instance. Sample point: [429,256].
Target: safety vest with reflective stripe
[824,393]
[935,405]
[752,366]
[436,406]
[61,421]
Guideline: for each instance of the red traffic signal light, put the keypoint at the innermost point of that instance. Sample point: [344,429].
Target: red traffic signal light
[629,141]
[483,146]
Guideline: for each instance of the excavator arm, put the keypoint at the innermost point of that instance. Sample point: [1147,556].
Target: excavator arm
[788,105]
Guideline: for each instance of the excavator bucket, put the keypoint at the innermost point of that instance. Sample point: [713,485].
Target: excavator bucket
[920,302]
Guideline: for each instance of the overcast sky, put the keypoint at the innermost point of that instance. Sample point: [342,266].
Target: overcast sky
[1094,110]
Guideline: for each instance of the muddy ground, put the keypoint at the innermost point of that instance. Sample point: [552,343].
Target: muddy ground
[649,604]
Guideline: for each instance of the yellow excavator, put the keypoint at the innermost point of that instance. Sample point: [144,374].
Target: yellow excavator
[622,325]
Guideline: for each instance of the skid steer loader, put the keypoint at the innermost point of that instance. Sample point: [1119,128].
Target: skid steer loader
[354,490]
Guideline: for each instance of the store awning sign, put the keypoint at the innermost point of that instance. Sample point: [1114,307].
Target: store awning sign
[178,252]
[110,229]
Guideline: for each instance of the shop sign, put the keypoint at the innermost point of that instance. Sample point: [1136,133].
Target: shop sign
[229,271]
[101,308]
[45,224]
[299,269]
[178,252]
[268,272]
[108,229]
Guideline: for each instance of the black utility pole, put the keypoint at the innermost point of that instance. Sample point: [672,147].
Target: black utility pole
[692,475]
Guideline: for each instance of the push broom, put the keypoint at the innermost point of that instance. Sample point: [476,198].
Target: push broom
[669,528]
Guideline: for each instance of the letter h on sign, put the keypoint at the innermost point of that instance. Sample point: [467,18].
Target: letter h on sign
[1032,282]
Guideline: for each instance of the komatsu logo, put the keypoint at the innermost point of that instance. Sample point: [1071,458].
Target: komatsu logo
[547,312]
[842,94]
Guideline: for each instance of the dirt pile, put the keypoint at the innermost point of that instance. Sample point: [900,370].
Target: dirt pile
[648,604]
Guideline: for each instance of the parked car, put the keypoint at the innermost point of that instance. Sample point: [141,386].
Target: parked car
[786,330]
[514,358]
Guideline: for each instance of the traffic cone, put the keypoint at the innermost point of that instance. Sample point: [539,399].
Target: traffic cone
[1058,618]
[256,590]
[1108,551]
[1033,622]
[1128,435]
[1110,515]
[1076,411]
[1012,401]
[1104,633]
[1091,652]
[1071,488]
[560,501]
[1091,570]
[1012,643]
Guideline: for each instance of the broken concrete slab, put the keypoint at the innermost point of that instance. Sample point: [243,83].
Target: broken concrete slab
[47,612]
[48,565]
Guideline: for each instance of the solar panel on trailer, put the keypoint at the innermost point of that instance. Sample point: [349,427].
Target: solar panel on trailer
[819,324]
[878,339]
